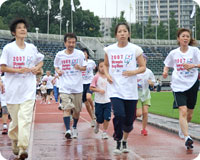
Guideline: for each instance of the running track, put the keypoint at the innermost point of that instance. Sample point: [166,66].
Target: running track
[47,141]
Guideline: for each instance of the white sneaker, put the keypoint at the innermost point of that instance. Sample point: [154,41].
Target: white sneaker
[124,147]
[49,102]
[180,133]
[92,123]
[74,133]
[96,128]
[68,134]
[104,135]
[117,150]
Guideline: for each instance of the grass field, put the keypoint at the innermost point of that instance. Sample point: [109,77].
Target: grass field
[162,102]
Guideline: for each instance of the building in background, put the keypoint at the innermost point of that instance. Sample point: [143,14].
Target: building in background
[161,11]
[105,26]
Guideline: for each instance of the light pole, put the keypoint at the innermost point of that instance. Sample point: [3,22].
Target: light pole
[67,24]
[36,30]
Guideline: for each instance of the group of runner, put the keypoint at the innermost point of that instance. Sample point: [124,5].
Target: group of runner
[121,83]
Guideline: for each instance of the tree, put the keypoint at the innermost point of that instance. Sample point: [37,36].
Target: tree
[36,11]
[136,31]
[162,31]
[198,23]
[173,26]
[115,21]
[150,30]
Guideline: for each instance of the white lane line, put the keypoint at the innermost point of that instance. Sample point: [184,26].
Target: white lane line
[130,151]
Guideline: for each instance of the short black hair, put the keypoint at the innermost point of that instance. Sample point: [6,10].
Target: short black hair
[69,35]
[86,50]
[14,23]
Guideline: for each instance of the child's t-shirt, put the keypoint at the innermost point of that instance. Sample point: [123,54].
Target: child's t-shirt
[101,83]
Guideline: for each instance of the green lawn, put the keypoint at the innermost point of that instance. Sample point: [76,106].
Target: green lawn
[162,102]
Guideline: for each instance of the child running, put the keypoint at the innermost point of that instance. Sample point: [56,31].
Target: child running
[144,102]
[43,89]
[102,101]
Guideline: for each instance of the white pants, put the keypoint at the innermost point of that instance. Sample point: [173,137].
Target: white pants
[20,126]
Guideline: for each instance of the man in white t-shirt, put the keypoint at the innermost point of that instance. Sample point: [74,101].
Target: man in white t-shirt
[48,78]
[69,64]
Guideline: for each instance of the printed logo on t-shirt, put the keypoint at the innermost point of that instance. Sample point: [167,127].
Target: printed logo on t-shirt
[18,61]
[119,62]
[68,66]
[179,65]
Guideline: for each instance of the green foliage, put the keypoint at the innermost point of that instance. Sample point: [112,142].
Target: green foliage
[173,26]
[198,23]
[136,31]
[162,31]
[149,30]
[36,13]
[162,102]
[116,21]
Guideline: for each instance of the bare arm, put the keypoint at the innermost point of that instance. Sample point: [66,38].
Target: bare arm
[4,68]
[37,68]
[94,89]
[106,67]
[58,71]
[165,72]
[80,68]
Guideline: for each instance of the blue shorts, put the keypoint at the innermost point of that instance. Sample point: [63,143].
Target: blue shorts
[86,89]
[102,112]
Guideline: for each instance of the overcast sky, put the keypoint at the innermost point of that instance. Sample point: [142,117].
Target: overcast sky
[98,7]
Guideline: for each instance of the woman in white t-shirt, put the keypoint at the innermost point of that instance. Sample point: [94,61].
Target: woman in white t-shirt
[144,80]
[20,61]
[120,69]
[87,79]
[185,60]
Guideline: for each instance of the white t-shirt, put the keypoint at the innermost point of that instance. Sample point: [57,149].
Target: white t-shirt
[143,85]
[101,83]
[120,60]
[20,87]
[88,74]
[71,80]
[183,79]
[43,89]
[3,95]
[48,79]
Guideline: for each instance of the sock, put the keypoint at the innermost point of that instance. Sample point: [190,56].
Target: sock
[75,123]
[67,122]
[187,138]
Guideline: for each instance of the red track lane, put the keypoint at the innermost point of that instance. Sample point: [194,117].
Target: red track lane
[48,141]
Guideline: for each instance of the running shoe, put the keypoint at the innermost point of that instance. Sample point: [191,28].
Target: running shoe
[104,135]
[144,132]
[117,150]
[74,133]
[68,134]
[124,147]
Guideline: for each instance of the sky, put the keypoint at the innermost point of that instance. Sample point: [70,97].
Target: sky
[98,7]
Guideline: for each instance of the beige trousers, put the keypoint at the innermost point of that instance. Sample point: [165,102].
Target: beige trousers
[20,126]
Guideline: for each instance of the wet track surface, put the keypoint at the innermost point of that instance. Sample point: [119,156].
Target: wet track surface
[48,142]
